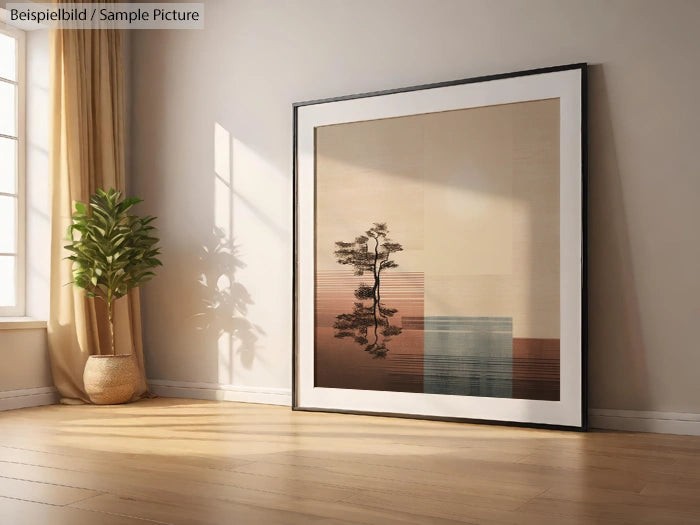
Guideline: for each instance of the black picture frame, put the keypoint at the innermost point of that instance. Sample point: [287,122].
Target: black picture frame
[581,70]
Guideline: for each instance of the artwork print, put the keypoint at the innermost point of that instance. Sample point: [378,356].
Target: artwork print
[437,253]
[440,255]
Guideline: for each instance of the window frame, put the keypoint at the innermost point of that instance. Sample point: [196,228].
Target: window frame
[19,309]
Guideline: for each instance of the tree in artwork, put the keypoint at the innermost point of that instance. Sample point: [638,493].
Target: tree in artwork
[369,322]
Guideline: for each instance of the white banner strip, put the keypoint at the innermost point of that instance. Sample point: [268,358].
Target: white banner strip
[106,16]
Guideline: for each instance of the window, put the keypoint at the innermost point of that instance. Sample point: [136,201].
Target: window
[12,179]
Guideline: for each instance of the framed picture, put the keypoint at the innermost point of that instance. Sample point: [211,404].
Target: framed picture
[440,251]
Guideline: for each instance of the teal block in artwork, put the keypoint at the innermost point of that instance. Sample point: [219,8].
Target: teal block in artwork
[468,356]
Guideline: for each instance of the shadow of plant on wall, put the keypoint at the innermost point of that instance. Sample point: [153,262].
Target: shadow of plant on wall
[225,300]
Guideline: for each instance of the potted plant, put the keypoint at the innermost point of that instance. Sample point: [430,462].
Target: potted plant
[112,252]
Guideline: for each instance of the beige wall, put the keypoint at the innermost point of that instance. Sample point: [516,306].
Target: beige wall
[256,57]
[26,351]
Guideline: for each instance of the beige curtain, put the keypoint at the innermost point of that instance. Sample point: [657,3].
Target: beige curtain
[87,152]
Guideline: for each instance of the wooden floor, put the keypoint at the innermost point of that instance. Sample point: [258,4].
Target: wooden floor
[198,462]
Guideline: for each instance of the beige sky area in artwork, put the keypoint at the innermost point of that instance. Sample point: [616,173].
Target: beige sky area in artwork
[472,195]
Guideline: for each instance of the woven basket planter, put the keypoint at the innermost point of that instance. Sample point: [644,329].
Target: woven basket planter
[110,379]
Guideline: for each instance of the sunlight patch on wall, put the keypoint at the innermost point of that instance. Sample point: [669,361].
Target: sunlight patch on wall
[222,180]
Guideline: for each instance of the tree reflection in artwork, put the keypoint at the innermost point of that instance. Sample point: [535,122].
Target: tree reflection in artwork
[368,324]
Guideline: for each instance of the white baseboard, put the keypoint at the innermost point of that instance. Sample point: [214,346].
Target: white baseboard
[216,392]
[644,421]
[28,397]
[627,420]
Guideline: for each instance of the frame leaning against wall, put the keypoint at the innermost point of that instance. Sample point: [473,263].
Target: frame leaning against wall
[330,129]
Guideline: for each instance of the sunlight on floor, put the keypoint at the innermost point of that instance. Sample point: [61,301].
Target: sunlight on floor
[234,429]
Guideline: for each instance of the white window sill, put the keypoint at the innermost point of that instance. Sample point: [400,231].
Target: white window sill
[20,323]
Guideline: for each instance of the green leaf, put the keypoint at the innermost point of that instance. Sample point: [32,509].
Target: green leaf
[111,251]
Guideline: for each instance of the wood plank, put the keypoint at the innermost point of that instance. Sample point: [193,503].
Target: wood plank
[392,481]
[204,512]
[618,511]
[289,512]
[18,512]
[42,492]
[163,487]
